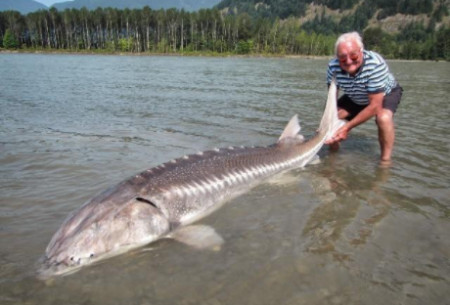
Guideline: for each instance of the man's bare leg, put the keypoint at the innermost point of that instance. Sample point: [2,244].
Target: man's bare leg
[386,133]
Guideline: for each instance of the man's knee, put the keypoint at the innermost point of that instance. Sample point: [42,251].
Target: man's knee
[385,118]
[343,114]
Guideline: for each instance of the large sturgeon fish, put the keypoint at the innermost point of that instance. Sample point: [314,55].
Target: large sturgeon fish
[164,201]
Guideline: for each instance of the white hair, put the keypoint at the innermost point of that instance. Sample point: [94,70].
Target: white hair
[347,37]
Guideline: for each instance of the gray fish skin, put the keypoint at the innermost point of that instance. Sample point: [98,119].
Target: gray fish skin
[157,202]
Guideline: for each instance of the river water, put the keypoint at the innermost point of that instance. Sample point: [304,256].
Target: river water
[343,231]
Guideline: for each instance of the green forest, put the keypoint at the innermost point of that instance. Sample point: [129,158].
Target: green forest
[233,27]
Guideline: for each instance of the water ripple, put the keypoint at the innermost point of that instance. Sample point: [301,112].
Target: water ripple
[72,126]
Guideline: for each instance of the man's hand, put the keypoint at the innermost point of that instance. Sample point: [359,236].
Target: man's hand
[340,135]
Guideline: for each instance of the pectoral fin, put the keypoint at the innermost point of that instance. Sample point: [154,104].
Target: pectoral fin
[199,237]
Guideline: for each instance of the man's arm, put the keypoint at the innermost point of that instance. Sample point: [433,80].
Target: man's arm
[375,105]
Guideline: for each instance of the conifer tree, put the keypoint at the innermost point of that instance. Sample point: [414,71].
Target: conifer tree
[9,40]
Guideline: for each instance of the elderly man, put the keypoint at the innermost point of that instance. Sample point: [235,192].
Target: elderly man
[369,90]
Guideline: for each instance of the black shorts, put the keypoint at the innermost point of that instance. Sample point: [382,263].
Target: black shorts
[390,102]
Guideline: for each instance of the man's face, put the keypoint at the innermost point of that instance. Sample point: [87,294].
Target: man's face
[350,56]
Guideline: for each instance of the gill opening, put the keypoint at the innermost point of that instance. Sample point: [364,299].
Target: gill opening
[141,199]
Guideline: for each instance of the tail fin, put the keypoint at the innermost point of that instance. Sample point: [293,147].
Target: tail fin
[330,121]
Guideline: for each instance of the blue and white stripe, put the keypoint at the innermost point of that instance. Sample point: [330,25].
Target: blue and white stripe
[373,77]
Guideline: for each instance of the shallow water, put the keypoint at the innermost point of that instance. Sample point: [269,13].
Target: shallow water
[344,231]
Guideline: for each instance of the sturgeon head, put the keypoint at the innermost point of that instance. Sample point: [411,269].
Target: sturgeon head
[109,224]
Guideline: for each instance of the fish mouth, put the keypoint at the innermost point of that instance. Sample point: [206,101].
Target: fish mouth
[46,272]
[49,268]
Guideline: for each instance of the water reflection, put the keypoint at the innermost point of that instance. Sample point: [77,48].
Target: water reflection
[349,212]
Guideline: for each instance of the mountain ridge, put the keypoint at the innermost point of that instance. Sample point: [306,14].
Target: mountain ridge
[189,5]
[22,6]
[28,6]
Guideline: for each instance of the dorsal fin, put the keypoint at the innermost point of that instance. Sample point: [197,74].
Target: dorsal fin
[292,129]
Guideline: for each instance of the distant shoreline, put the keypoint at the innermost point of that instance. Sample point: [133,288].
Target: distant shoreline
[188,54]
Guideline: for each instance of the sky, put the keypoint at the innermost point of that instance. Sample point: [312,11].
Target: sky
[50,2]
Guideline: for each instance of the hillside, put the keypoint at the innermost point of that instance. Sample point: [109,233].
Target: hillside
[362,16]
[308,28]
[22,6]
[334,16]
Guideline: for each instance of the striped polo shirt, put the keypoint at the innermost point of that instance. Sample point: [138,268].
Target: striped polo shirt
[372,77]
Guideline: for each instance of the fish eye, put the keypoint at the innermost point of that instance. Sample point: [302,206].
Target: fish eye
[92,255]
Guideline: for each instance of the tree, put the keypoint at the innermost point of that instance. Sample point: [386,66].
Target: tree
[244,47]
[9,40]
[443,43]
[377,40]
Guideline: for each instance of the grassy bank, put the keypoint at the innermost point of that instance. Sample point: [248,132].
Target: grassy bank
[184,53]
